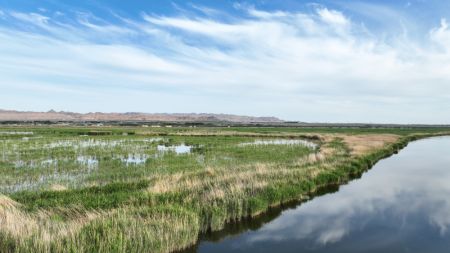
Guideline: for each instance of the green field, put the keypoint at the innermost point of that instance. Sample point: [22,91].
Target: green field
[92,189]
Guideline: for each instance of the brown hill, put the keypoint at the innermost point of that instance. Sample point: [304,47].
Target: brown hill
[11,115]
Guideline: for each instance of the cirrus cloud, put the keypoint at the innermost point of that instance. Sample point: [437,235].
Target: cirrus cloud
[310,66]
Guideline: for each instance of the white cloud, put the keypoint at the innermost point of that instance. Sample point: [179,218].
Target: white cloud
[33,18]
[207,11]
[267,15]
[314,67]
[333,17]
[107,29]
[441,35]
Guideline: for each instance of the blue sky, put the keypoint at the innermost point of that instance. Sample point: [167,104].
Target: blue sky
[321,61]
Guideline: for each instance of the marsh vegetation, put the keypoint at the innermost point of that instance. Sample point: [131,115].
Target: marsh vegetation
[400,205]
[69,190]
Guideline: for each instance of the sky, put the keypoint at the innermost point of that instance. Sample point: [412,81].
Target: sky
[378,61]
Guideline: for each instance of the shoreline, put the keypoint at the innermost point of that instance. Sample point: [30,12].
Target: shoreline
[365,163]
[173,212]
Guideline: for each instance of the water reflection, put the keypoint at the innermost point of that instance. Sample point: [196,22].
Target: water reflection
[401,205]
[135,159]
[15,133]
[280,142]
[89,161]
[178,149]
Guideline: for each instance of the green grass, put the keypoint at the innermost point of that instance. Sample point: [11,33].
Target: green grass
[108,196]
[62,191]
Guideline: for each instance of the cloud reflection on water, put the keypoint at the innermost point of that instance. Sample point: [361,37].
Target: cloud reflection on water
[388,208]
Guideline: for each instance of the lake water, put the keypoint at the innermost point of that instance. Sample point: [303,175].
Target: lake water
[401,205]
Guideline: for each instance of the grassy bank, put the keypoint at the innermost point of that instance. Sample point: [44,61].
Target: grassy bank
[64,190]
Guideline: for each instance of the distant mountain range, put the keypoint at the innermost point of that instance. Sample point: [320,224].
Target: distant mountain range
[11,115]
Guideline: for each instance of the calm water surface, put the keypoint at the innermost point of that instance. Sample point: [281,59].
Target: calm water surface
[401,205]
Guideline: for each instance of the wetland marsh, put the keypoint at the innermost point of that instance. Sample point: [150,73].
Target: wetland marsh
[400,205]
[80,190]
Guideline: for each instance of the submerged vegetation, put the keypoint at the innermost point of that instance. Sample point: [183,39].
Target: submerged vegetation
[156,190]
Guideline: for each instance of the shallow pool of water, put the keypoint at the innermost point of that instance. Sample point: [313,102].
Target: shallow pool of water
[178,149]
[401,205]
[134,159]
[89,161]
[15,133]
[280,142]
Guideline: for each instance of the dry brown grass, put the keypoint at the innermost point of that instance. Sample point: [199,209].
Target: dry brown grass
[218,181]
[21,224]
[58,187]
[363,144]
[14,221]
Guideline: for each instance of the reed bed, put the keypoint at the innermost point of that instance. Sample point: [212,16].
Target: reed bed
[62,191]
